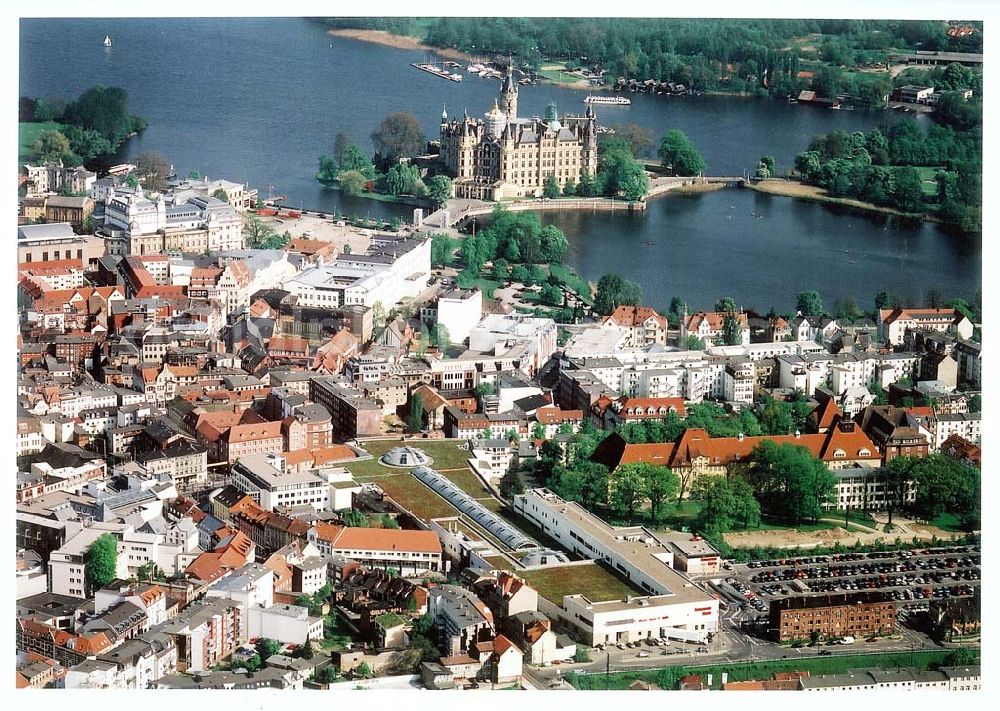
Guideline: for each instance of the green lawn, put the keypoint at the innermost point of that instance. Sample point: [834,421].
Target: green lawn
[574,281]
[947,522]
[928,181]
[27,133]
[594,581]
[557,76]
[449,460]
[667,677]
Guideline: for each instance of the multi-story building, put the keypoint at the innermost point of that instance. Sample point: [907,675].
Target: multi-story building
[967,426]
[645,327]
[458,310]
[74,210]
[833,616]
[459,618]
[243,440]
[52,177]
[206,632]
[351,413]
[893,323]
[42,243]
[410,552]
[673,604]
[264,478]
[391,269]
[503,156]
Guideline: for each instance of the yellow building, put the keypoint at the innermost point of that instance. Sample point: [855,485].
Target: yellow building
[502,156]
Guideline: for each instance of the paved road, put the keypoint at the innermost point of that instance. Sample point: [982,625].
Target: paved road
[730,646]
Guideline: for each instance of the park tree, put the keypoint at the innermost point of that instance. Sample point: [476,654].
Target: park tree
[718,504]
[619,173]
[153,170]
[511,485]
[945,485]
[552,244]
[398,136]
[440,338]
[789,482]
[439,189]
[415,419]
[340,144]
[732,331]
[100,562]
[807,165]
[551,187]
[267,648]
[907,189]
[51,147]
[352,518]
[400,178]
[660,484]
[693,343]
[442,250]
[679,156]
[627,490]
[569,187]
[809,303]
[257,233]
[353,158]
[585,188]
[613,290]
[352,182]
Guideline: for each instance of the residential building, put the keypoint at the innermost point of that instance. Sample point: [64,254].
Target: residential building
[833,616]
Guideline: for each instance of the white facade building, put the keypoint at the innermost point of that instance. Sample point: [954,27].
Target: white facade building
[290,624]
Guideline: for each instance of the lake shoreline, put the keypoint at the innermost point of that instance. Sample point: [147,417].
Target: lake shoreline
[387,39]
[812,193]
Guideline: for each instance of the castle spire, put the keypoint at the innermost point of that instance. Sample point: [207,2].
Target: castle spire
[444,113]
[509,92]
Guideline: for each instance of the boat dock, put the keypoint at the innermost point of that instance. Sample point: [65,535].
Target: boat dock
[431,68]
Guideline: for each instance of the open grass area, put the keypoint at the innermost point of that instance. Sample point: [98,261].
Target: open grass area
[928,179]
[668,677]
[947,522]
[594,581]
[574,281]
[487,286]
[27,133]
[449,459]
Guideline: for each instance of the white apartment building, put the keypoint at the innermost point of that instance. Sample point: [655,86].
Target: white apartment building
[264,477]
[66,564]
[967,425]
[498,335]
[290,624]
[251,586]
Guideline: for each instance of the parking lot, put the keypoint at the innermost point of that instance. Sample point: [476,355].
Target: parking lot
[912,578]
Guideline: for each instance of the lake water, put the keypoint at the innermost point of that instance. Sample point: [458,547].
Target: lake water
[258,100]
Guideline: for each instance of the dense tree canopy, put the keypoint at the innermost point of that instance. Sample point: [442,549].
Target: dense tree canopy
[100,562]
[614,290]
[679,156]
[790,484]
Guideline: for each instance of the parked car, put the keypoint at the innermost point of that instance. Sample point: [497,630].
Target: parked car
[642,655]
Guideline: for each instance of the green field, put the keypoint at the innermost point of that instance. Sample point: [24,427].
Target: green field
[27,133]
[449,459]
[947,522]
[668,677]
[556,75]
[928,181]
[594,581]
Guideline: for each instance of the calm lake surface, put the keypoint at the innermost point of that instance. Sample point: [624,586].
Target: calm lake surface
[258,100]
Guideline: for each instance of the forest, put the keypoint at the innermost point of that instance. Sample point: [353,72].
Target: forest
[733,55]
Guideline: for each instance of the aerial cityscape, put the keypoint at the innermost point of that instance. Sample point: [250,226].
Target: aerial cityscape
[547,354]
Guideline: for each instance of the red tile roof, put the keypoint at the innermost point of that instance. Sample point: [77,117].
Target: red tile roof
[634,316]
[556,415]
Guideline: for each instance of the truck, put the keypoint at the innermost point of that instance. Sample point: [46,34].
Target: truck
[847,640]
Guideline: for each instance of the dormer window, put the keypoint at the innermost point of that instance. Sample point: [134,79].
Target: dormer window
[839,454]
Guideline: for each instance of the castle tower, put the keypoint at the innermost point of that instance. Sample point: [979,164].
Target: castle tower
[588,154]
[509,93]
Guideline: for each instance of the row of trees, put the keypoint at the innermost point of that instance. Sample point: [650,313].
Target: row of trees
[95,124]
